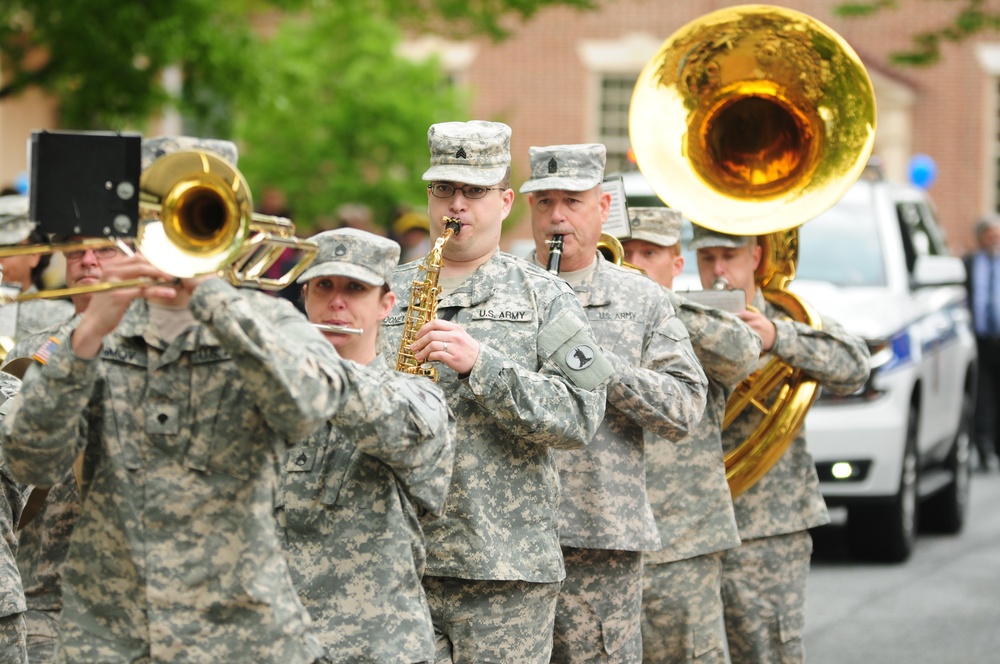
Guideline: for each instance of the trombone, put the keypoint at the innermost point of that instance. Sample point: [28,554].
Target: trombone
[195,218]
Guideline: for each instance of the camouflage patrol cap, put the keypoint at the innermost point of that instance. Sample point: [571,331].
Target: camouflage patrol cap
[566,167]
[355,254]
[475,152]
[154,148]
[704,238]
[14,224]
[658,225]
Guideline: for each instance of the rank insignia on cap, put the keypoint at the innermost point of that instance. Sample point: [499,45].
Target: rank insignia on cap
[460,154]
[553,166]
[580,357]
[340,250]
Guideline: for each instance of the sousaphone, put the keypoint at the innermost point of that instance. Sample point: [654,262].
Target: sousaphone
[752,120]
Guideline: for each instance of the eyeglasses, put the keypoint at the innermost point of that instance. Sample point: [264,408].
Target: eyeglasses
[101,253]
[445,190]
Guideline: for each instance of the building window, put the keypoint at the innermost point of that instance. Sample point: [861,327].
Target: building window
[616,94]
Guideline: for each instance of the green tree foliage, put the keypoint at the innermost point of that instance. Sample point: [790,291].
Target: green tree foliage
[339,118]
[104,59]
[971,17]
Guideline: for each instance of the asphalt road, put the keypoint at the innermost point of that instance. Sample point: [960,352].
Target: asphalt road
[940,607]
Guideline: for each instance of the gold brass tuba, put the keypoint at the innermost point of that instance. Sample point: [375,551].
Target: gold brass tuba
[196,218]
[752,120]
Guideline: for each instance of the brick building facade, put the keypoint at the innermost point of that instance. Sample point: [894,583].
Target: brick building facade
[565,76]
[551,77]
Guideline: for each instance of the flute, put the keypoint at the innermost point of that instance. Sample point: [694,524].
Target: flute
[337,329]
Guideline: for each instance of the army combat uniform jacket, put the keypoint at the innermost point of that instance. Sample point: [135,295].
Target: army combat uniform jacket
[787,499]
[350,499]
[175,555]
[687,481]
[12,495]
[537,384]
[657,385]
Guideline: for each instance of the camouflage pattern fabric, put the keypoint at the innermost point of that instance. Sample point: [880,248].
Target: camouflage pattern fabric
[682,611]
[537,384]
[691,500]
[349,504]
[13,649]
[12,631]
[764,590]
[658,385]
[686,481]
[786,500]
[526,394]
[42,629]
[491,621]
[597,615]
[179,474]
[44,541]
[36,316]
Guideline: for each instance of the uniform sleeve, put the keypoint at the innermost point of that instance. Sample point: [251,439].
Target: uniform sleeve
[41,432]
[835,359]
[727,347]
[560,405]
[13,496]
[295,376]
[405,422]
[666,393]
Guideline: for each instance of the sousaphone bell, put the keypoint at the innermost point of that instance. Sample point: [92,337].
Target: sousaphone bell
[752,120]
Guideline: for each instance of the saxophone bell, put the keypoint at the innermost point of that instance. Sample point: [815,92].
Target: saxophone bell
[555,253]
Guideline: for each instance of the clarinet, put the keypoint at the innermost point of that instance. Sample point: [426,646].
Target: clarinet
[555,253]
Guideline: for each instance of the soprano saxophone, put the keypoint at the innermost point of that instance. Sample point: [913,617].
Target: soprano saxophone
[423,303]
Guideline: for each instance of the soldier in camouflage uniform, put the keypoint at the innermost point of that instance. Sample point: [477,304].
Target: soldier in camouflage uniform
[681,594]
[351,493]
[13,647]
[189,393]
[523,375]
[50,512]
[20,319]
[764,579]
[605,519]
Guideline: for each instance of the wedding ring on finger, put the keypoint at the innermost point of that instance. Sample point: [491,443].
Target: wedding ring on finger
[445,347]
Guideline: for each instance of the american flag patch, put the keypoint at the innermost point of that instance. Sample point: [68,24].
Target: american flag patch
[42,354]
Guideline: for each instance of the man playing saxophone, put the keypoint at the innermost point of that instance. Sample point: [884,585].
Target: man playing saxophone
[523,375]
[351,493]
[764,579]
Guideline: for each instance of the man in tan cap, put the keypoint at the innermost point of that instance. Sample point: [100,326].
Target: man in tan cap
[523,375]
[351,493]
[21,273]
[686,481]
[764,579]
[605,519]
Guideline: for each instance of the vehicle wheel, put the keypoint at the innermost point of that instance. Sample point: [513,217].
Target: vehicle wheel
[945,511]
[886,533]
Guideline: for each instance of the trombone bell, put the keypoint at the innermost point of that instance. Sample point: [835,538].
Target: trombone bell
[194,213]
[752,119]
